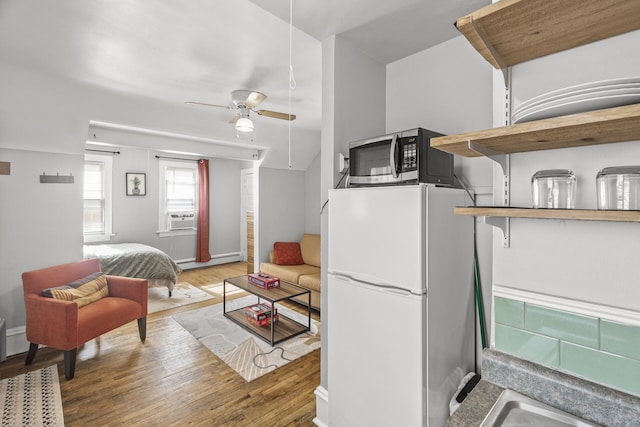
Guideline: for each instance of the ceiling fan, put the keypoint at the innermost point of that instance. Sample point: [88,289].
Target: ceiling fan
[246,101]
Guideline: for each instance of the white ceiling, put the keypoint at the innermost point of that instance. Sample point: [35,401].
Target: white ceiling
[385,30]
[201,50]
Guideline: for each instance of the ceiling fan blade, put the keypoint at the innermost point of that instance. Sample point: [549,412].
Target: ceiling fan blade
[276,115]
[235,118]
[247,98]
[254,99]
[209,105]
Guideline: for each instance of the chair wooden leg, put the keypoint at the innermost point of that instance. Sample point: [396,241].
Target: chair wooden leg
[142,328]
[33,349]
[70,363]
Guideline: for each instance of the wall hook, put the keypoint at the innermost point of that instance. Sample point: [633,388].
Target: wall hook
[56,179]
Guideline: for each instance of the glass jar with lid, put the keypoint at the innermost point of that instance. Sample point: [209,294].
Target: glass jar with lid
[618,188]
[554,188]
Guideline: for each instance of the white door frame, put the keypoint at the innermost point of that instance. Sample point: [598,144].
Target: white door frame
[247,203]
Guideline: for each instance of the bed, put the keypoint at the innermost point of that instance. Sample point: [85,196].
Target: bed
[136,260]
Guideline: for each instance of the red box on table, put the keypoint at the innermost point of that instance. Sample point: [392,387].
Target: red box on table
[263,280]
[260,314]
[262,322]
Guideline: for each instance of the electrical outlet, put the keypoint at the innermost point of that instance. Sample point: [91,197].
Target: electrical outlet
[343,163]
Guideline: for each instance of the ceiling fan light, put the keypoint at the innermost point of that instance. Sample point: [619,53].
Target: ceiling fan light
[244,124]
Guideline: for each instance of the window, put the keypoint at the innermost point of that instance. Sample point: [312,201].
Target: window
[97,198]
[178,196]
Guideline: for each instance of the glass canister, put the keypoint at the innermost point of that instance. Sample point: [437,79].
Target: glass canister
[554,188]
[618,187]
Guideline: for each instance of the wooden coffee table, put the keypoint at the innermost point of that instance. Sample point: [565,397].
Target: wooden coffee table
[283,328]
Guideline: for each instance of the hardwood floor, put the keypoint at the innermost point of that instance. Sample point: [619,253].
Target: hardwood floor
[173,380]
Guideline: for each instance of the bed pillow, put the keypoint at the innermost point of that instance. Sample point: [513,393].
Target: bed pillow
[82,291]
[287,253]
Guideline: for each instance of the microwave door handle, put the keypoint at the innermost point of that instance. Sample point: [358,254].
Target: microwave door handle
[392,155]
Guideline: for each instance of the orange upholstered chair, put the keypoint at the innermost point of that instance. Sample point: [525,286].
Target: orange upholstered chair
[63,325]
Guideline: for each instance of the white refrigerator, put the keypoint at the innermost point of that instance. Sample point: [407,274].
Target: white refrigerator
[400,307]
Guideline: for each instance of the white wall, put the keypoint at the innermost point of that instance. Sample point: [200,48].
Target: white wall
[358,97]
[281,208]
[40,224]
[443,88]
[587,261]
[312,197]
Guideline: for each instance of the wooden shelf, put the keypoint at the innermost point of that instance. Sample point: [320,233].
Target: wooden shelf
[591,128]
[509,32]
[284,328]
[571,214]
[513,31]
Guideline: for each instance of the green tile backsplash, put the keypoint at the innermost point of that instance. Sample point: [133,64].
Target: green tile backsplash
[620,339]
[509,312]
[562,325]
[597,349]
[607,368]
[533,347]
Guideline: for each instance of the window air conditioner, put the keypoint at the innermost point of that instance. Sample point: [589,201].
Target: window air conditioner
[182,220]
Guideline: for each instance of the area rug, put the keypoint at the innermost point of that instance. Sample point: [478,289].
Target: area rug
[248,355]
[219,289]
[183,294]
[32,399]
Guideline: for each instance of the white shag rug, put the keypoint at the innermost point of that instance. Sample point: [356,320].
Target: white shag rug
[183,294]
[247,354]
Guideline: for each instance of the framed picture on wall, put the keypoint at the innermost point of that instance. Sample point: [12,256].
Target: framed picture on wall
[136,184]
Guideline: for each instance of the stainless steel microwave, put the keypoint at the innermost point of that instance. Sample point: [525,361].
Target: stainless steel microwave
[399,158]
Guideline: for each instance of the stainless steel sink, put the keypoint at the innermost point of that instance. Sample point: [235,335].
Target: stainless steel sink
[513,409]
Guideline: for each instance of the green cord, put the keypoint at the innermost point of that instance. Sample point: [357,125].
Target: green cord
[478,286]
[476,270]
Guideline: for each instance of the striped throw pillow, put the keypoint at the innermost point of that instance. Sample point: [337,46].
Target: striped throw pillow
[82,291]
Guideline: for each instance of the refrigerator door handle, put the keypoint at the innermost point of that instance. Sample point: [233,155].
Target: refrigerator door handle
[397,290]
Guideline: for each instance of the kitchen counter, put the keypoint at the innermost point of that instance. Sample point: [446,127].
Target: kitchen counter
[476,406]
[585,399]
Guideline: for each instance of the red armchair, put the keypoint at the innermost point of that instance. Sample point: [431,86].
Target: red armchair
[62,325]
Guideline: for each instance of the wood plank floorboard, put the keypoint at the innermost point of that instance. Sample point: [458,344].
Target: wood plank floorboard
[172,379]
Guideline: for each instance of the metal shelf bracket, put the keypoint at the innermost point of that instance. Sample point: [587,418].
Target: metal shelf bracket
[492,51]
[502,223]
[504,161]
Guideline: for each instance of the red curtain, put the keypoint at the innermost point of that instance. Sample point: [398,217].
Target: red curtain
[202,242]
